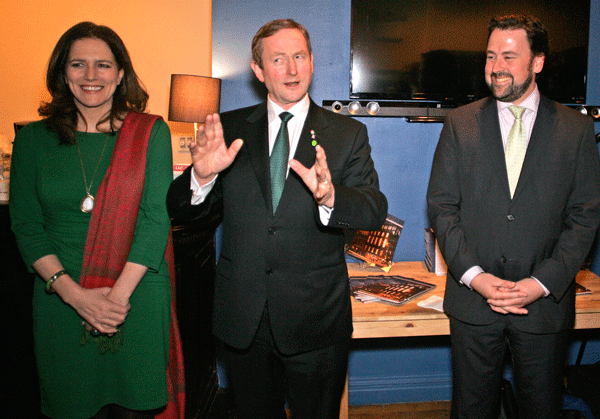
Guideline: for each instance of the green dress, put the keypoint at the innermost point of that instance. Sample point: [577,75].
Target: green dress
[77,379]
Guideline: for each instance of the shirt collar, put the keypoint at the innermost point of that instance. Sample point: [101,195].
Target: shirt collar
[299,110]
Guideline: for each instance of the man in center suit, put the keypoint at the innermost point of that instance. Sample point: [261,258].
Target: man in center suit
[282,301]
[513,240]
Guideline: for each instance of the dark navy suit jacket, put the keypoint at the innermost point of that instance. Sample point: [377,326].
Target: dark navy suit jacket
[545,231]
[288,260]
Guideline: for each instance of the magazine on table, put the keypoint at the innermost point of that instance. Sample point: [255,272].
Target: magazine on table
[395,290]
[377,248]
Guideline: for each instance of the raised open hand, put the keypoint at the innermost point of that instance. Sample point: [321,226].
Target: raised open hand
[210,154]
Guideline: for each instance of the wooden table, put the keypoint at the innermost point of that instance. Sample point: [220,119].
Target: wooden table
[376,320]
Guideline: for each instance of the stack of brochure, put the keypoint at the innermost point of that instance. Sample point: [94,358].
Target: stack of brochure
[395,290]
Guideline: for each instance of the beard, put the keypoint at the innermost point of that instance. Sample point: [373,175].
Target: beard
[514,91]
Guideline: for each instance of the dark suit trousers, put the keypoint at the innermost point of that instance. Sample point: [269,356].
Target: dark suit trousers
[478,354]
[262,378]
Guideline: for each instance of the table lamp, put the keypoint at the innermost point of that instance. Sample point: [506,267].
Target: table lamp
[193,98]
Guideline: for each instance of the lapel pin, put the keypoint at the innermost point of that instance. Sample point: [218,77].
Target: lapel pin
[313,135]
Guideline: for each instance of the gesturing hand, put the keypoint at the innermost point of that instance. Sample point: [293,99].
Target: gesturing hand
[210,154]
[317,178]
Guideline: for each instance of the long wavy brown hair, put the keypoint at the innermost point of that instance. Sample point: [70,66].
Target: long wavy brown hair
[61,112]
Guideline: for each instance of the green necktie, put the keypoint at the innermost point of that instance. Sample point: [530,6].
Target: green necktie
[279,159]
[516,146]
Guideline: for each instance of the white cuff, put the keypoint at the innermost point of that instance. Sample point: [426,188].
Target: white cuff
[325,214]
[470,274]
[199,193]
[546,290]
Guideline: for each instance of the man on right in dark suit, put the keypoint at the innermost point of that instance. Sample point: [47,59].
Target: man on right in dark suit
[514,199]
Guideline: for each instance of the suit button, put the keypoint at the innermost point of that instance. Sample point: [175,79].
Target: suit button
[269,272]
[510,217]
[502,259]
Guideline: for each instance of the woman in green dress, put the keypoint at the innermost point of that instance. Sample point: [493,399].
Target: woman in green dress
[102,350]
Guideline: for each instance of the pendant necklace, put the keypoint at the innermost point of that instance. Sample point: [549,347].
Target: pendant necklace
[87,203]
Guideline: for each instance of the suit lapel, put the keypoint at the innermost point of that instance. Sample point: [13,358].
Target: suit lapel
[315,121]
[257,144]
[542,129]
[491,136]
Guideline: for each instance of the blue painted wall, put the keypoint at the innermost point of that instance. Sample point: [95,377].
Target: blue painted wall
[380,371]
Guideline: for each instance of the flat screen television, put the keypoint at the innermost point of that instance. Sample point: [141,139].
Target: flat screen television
[434,50]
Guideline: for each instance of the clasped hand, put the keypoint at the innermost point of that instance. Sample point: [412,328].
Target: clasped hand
[507,296]
[99,311]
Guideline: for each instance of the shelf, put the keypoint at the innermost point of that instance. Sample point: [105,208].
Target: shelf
[412,111]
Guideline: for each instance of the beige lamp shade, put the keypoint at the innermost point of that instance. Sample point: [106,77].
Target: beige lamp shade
[193,98]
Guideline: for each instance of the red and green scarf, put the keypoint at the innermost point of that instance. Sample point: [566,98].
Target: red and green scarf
[110,235]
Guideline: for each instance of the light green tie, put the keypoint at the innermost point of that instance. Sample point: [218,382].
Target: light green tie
[516,147]
[279,159]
